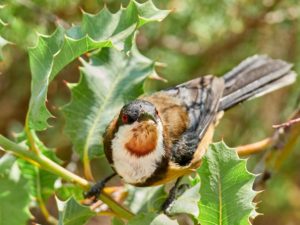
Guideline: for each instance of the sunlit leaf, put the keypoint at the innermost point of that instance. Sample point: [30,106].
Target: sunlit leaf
[72,213]
[226,188]
[3,42]
[187,202]
[107,82]
[116,221]
[52,53]
[152,219]
[66,190]
[145,199]
[149,12]
[14,196]
[40,182]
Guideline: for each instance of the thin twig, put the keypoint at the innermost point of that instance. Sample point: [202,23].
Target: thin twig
[283,143]
[287,124]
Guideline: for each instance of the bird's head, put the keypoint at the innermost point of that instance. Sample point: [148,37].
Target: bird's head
[138,111]
[139,128]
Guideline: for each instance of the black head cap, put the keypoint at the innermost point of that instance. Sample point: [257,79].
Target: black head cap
[138,110]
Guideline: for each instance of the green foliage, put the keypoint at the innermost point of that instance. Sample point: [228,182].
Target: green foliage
[3,42]
[104,87]
[72,213]
[54,52]
[40,182]
[152,219]
[15,199]
[146,199]
[116,221]
[113,72]
[226,188]
[66,190]
[187,202]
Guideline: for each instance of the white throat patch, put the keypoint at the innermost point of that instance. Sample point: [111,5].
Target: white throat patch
[131,168]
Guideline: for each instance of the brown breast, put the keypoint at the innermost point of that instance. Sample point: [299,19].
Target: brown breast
[143,140]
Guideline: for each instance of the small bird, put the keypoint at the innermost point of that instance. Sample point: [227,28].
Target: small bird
[162,137]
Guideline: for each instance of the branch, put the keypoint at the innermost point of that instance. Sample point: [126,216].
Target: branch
[254,148]
[287,124]
[45,163]
[276,148]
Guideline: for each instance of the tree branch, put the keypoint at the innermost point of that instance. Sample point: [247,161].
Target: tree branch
[254,148]
[276,148]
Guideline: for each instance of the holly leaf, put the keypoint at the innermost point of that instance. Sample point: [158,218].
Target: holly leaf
[14,197]
[72,213]
[148,12]
[40,182]
[226,188]
[102,90]
[116,221]
[145,199]
[52,53]
[187,202]
[66,190]
[151,219]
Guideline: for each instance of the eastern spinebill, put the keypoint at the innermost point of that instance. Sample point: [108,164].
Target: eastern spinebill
[158,138]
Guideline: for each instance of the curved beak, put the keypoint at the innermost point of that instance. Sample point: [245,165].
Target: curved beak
[145,117]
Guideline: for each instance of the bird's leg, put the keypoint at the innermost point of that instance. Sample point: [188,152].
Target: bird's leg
[171,197]
[97,188]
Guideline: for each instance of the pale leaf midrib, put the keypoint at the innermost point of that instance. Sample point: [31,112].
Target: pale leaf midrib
[220,200]
[98,116]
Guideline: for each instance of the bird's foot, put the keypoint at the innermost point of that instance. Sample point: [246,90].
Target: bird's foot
[173,194]
[95,191]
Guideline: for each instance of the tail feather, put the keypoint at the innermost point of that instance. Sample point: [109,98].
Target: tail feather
[253,77]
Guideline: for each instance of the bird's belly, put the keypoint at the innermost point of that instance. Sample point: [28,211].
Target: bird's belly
[134,169]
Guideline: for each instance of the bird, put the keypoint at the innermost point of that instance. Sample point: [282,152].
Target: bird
[163,136]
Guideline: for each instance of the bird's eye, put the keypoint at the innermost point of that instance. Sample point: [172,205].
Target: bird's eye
[124,118]
[156,111]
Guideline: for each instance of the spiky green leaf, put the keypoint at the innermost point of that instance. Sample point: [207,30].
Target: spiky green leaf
[14,196]
[226,188]
[40,182]
[145,199]
[187,202]
[107,82]
[149,12]
[72,213]
[66,190]
[152,219]
[52,53]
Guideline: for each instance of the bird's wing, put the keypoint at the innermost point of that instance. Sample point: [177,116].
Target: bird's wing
[186,111]
[200,98]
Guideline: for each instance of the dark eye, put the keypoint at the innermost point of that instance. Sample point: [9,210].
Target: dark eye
[124,118]
[156,111]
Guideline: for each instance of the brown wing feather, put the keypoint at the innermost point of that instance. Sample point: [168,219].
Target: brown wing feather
[201,98]
[172,112]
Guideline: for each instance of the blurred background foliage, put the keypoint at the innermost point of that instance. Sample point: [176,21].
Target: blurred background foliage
[199,37]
